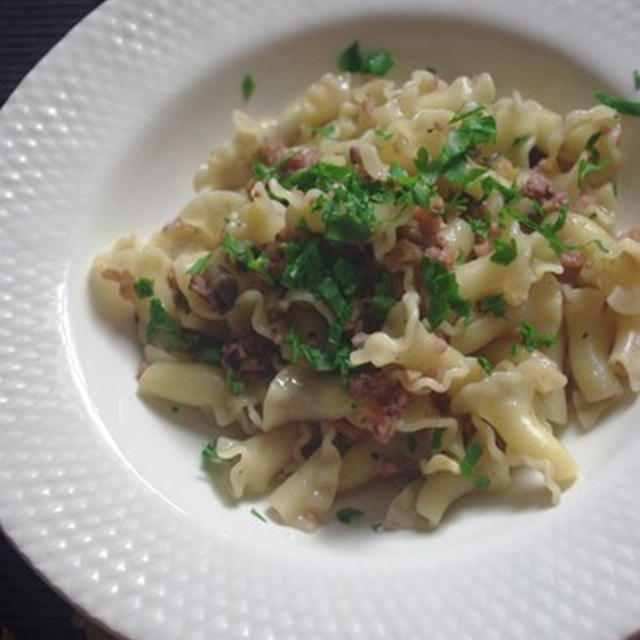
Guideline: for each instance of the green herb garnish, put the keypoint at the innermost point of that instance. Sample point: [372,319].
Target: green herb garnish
[376,61]
[532,339]
[347,514]
[436,438]
[235,385]
[143,288]
[383,134]
[480,226]
[200,264]
[209,453]
[244,255]
[593,161]
[471,457]
[495,305]
[485,363]
[443,290]
[248,86]
[411,442]
[504,251]
[325,130]
[257,514]
[211,354]
[520,140]
[622,106]
[162,327]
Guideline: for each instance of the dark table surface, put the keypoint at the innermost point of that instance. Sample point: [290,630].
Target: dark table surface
[29,609]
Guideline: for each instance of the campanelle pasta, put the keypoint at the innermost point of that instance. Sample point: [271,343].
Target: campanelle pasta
[415,283]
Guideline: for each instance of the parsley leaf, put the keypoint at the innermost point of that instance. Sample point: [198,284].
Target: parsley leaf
[211,354]
[411,442]
[480,226]
[209,453]
[351,58]
[383,298]
[622,106]
[236,386]
[143,288]
[347,514]
[383,134]
[494,304]
[532,339]
[200,264]
[248,86]
[436,438]
[325,130]
[593,162]
[443,290]
[520,140]
[163,327]
[471,457]
[257,514]
[347,201]
[485,363]
[504,251]
[376,61]
[548,230]
[244,255]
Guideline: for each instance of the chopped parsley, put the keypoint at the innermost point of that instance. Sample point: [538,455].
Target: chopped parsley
[436,438]
[236,386]
[376,61]
[243,254]
[325,130]
[347,514]
[257,514]
[495,305]
[471,457]
[504,251]
[480,226]
[622,106]
[520,140]
[248,86]
[164,329]
[411,442]
[592,162]
[143,288]
[346,203]
[200,264]
[548,230]
[209,453]
[485,363]
[210,354]
[383,134]
[532,339]
[444,295]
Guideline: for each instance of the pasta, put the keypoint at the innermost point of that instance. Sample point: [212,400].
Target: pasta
[417,282]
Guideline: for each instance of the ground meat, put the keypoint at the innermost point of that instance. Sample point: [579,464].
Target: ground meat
[271,152]
[535,156]
[356,159]
[428,223]
[217,288]
[182,304]
[366,319]
[404,253]
[634,233]
[538,187]
[276,263]
[381,399]
[306,157]
[248,355]
[572,262]
[348,430]
[442,252]
[125,281]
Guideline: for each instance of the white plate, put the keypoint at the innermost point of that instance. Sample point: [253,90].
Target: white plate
[102,492]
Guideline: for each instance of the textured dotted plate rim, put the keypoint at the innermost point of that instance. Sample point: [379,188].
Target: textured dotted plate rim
[102,537]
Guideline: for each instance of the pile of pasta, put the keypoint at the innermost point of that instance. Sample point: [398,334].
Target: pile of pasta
[417,282]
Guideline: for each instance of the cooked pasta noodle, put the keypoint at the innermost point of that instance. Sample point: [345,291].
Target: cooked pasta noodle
[415,281]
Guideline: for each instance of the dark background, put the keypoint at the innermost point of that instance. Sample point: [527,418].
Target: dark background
[29,610]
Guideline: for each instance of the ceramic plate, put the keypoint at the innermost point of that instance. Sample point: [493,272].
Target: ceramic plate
[103,492]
